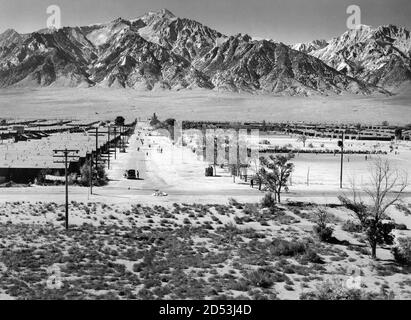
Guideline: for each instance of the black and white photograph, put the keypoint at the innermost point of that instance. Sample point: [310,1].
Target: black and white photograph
[215,150]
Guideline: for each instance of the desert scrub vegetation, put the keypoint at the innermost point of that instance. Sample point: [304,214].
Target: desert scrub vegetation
[280,247]
[322,230]
[351,226]
[335,290]
[117,262]
[266,277]
[402,251]
[152,252]
[268,201]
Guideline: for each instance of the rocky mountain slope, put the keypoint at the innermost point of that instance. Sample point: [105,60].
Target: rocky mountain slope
[161,51]
[10,37]
[310,46]
[128,60]
[187,38]
[241,64]
[380,56]
[59,58]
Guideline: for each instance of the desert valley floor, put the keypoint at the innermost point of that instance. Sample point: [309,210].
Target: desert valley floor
[102,103]
[208,237]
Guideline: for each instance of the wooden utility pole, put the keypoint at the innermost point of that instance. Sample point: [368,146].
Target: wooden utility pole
[66,155]
[238,153]
[91,173]
[341,143]
[204,131]
[99,155]
[115,143]
[122,137]
[108,149]
[215,155]
[97,146]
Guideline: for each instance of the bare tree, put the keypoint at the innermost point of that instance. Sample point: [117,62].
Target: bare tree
[302,138]
[386,188]
[275,173]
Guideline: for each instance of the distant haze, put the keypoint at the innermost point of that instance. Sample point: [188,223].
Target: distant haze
[289,21]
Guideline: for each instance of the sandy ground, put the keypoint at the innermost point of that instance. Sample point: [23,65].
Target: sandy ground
[38,227]
[322,171]
[105,103]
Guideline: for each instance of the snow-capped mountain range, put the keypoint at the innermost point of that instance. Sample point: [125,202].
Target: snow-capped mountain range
[161,51]
[379,56]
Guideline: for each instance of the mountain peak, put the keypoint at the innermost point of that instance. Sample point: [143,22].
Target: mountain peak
[9,32]
[119,19]
[9,36]
[310,46]
[163,13]
[242,37]
[166,12]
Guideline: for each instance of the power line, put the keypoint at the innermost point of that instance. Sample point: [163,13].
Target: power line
[66,155]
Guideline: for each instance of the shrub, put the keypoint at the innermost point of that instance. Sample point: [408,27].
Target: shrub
[238,220]
[335,290]
[286,248]
[99,175]
[250,209]
[331,290]
[351,226]
[324,233]
[401,226]
[234,203]
[312,256]
[402,251]
[239,286]
[268,201]
[261,278]
[321,229]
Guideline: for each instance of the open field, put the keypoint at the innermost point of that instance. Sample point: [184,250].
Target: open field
[103,103]
[323,170]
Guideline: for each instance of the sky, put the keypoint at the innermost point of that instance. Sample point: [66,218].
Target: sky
[288,21]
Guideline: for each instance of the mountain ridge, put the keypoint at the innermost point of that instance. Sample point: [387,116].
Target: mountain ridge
[377,55]
[159,50]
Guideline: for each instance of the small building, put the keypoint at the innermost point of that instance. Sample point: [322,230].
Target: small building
[19,129]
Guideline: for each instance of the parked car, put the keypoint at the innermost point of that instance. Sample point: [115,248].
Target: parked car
[130,174]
